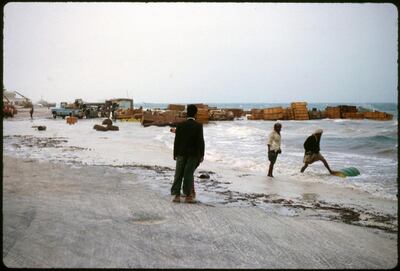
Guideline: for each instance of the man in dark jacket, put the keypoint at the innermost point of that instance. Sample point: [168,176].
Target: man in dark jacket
[188,153]
[312,154]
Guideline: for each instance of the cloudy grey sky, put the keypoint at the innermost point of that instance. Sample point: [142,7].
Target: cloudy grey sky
[202,52]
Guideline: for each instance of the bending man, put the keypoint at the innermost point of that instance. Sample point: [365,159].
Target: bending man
[312,154]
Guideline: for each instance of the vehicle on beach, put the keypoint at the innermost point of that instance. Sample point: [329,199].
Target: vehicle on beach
[92,110]
[67,110]
[9,110]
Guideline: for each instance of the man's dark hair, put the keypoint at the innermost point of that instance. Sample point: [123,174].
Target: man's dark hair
[191,110]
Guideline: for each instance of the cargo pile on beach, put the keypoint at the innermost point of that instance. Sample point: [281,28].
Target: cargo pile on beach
[299,111]
[122,109]
[176,113]
[296,111]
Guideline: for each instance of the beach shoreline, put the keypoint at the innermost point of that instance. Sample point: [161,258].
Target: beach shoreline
[57,215]
[283,195]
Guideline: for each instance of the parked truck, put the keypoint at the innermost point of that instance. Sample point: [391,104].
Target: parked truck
[66,110]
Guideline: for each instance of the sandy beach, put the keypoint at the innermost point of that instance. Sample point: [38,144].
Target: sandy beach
[60,212]
[56,215]
[77,193]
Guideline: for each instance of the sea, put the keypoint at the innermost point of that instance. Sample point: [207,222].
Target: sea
[234,150]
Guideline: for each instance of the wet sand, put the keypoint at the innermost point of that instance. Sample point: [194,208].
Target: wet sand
[58,215]
[281,195]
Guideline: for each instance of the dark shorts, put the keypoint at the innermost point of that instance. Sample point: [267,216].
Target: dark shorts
[272,155]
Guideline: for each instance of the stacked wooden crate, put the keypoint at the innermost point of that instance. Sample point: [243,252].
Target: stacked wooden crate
[256,114]
[347,109]
[170,115]
[376,115]
[275,113]
[300,111]
[177,107]
[202,113]
[332,112]
[288,113]
[352,115]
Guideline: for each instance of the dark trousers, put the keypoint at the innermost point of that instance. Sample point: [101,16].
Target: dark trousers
[185,167]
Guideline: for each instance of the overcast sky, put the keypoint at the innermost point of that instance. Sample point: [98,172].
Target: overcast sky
[201,52]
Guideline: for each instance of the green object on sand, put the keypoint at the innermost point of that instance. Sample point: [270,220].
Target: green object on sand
[347,172]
